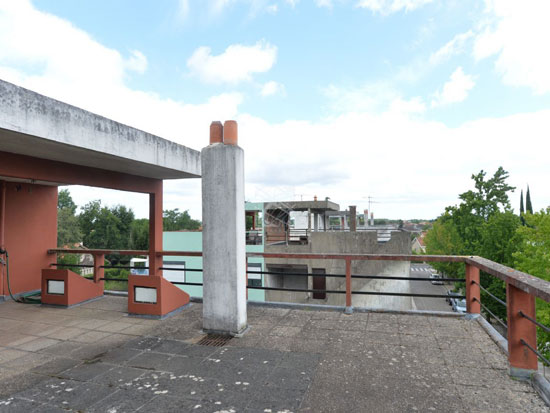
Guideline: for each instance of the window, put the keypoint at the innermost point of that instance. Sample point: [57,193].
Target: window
[254,280]
[177,274]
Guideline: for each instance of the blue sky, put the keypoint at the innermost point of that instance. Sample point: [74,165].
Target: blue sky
[398,99]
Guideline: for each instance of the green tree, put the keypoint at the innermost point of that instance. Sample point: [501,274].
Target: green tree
[533,258]
[443,239]
[68,230]
[528,205]
[65,201]
[174,220]
[521,209]
[482,224]
[103,227]
[139,234]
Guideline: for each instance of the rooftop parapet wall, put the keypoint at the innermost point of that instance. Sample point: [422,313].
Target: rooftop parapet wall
[36,125]
[347,243]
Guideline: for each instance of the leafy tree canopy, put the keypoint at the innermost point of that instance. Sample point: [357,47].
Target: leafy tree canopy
[65,201]
[174,220]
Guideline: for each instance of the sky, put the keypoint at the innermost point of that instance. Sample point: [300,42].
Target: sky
[398,100]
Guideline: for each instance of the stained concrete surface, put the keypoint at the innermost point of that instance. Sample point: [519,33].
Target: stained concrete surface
[289,361]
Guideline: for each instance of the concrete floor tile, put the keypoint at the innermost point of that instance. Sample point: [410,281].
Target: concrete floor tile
[11,354]
[86,371]
[65,333]
[88,324]
[114,327]
[91,337]
[15,339]
[137,329]
[38,344]
[308,361]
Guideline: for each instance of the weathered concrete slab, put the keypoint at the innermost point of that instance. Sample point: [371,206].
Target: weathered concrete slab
[290,360]
[35,125]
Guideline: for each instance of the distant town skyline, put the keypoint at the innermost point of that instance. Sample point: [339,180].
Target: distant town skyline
[400,100]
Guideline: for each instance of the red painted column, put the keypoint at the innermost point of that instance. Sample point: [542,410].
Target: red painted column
[519,356]
[99,272]
[2,229]
[155,230]
[472,290]
[348,283]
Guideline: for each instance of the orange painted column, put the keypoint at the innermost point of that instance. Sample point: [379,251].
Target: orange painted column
[472,290]
[99,272]
[522,360]
[155,230]
[2,230]
[348,285]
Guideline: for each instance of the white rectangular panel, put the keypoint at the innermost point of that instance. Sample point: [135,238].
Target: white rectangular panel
[56,287]
[145,295]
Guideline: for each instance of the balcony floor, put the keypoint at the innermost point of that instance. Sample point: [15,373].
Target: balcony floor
[95,358]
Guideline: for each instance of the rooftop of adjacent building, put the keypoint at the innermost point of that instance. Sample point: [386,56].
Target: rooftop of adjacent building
[95,357]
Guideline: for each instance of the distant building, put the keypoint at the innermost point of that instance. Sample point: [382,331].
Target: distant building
[418,244]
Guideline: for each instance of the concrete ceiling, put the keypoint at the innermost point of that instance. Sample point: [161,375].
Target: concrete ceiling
[38,126]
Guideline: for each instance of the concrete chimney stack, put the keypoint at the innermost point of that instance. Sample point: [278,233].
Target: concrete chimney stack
[223,235]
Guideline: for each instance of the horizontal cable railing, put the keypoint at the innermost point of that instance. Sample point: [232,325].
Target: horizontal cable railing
[534,350]
[494,297]
[497,318]
[518,285]
[521,313]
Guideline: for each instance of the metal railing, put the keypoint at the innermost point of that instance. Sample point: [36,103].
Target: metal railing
[521,289]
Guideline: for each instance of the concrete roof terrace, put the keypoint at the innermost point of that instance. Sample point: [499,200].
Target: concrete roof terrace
[95,358]
[35,125]
[321,206]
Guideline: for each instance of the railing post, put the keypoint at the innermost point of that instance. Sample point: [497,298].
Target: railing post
[473,297]
[99,262]
[523,362]
[349,308]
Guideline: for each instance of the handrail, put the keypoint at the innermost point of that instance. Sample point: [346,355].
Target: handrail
[525,282]
[521,288]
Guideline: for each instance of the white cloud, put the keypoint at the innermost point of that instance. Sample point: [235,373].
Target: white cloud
[455,90]
[377,142]
[236,64]
[217,6]
[517,33]
[256,7]
[324,3]
[371,98]
[273,88]
[385,155]
[454,47]
[137,62]
[391,6]
[183,10]
[51,56]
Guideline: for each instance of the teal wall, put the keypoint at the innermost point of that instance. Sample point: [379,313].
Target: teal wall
[192,241]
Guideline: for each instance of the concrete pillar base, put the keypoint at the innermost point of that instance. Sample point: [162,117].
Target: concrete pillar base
[348,310]
[65,288]
[521,374]
[154,296]
[238,334]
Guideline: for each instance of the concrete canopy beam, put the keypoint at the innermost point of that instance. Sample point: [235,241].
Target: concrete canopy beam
[35,125]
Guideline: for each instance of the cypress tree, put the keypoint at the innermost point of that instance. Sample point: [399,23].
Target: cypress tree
[521,209]
[528,205]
